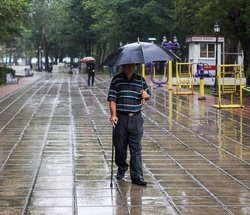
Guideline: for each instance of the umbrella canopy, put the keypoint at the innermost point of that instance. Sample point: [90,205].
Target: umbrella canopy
[87,59]
[139,53]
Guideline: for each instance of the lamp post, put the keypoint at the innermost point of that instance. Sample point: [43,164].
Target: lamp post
[217,32]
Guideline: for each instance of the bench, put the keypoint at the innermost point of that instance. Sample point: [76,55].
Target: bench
[28,73]
[10,79]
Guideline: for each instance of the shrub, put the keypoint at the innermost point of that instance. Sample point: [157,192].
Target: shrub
[3,71]
[248,77]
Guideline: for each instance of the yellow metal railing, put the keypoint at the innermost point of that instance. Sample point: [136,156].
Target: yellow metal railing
[164,78]
[184,78]
[247,88]
[227,76]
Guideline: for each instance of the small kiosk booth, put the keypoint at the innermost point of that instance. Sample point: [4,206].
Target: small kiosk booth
[202,61]
[206,59]
[202,49]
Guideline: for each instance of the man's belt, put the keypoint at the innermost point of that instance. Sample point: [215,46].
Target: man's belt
[124,113]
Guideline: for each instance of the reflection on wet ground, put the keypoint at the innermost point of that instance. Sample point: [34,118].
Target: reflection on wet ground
[55,153]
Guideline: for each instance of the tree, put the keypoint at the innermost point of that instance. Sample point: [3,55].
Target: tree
[236,23]
[11,19]
[11,25]
[122,21]
[78,28]
[199,17]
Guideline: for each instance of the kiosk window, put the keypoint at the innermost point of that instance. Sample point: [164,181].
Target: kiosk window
[207,50]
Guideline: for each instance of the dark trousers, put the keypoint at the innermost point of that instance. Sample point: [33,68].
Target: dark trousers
[128,133]
[91,75]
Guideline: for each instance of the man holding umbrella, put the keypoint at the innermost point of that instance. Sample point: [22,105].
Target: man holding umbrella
[91,72]
[126,93]
[90,64]
[127,90]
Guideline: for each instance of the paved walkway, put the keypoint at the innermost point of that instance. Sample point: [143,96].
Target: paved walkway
[55,153]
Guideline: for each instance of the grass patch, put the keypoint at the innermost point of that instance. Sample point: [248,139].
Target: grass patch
[207,89]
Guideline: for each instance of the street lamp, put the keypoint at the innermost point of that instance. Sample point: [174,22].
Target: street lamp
[217,32]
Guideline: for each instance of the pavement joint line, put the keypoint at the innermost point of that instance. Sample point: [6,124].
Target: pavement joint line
[16,98]
[193,178]
[155,181]
[120,193]
[196,152]
[206,140]
[203,126]
[99,103]
[24,211]
[93,124]
[72,143]
[22,133]
[200,156]
[103,150]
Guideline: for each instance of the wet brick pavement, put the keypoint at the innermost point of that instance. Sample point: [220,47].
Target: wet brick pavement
[55,153]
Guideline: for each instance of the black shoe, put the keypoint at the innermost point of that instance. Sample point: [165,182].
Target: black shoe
[119,176]
[140,182]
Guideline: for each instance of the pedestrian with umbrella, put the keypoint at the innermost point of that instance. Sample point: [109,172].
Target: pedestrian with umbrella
[91,72]
[90,64]
[126,93]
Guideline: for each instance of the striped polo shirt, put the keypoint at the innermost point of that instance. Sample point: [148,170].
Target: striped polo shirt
[126,92]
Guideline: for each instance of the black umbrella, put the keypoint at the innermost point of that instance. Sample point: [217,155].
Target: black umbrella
[139,53]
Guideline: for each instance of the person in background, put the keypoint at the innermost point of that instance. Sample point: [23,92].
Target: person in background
[91,72]
[50,69]
[112,71]
[126,92]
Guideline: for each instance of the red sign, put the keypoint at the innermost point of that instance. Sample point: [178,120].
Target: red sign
[209,67]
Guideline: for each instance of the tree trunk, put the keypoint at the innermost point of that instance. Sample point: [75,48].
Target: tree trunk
[246,58]
[246,48]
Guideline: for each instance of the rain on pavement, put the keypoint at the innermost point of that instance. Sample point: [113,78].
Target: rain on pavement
[55,153]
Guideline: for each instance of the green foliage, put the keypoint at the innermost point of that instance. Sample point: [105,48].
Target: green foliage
[199,17]
[77,28]
[122,21]
[248,77]
[11,16]
[3,71]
